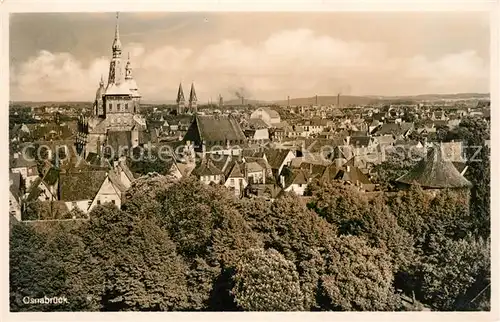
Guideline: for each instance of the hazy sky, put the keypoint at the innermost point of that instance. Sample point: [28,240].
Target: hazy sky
[56,56]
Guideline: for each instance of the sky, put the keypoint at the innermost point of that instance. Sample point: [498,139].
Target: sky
[263,55]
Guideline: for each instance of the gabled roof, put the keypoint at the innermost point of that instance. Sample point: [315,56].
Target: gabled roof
[80,185]
[235,171]
[276,157]
[257,124]
[435,172]
[51,176]
[272,113]
[295,176]
[116,181]
[253,167]
[206,168]
[360,141]
[214,129]
[352,174]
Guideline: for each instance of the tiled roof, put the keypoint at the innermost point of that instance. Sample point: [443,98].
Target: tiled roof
[360,141]
[276,157]
[253,167]
[257,124]
[80,185]
[206,168]
[215,130]
[434,171]
[51,177]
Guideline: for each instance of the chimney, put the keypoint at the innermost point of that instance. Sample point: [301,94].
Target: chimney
[282,181]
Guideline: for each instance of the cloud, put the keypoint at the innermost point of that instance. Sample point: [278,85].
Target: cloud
[290,62]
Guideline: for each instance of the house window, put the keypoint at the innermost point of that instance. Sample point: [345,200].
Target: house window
[126,106]
[98,202]
[113,201]
[110,106]
[212,178]
[119,107]
[231,181]
[73,204]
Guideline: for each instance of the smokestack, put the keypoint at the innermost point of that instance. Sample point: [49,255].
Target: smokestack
[338,100]
[242,100]
[316,100]
[288,101]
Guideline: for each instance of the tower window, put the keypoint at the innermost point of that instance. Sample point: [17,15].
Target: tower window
[119,107]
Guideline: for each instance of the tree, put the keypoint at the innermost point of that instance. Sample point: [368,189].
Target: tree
[299,234]
[352,213]
[129,263]
[356,277]
[208,231]
[455,274]
[40,265]
[265,281]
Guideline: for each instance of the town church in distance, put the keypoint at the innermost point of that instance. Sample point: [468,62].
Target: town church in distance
[115,121]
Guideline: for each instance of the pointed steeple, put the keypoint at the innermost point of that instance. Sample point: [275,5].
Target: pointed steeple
[101,83]
[192,95]
[128,68]
[117,45]
[180,95]
[193,100]
[180,100]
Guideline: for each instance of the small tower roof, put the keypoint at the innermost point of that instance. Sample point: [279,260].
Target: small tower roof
[435,171]
[192,94]
[180,94]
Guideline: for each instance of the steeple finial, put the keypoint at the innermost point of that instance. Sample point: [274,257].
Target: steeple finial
[102,80]
[117,46]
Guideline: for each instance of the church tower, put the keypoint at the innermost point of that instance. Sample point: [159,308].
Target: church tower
[98,109]
[193,100]
[132,85]
[181,101]
[115,67]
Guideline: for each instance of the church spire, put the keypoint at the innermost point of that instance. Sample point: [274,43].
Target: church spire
[180,95]
[180,100]
[117,45]
[193,99]
[101,83]
[192,95]
[128,68]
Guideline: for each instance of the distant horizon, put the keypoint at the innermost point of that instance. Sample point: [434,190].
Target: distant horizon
[146,101]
